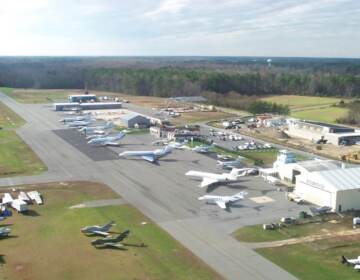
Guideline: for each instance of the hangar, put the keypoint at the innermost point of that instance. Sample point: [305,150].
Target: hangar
[131,120]
[337,188]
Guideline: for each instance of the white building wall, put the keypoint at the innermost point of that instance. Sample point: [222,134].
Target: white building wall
[313,193]
[309,134]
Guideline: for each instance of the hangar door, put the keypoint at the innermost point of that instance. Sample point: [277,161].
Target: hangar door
[314,195]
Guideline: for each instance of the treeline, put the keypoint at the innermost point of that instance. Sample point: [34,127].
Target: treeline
[225,81]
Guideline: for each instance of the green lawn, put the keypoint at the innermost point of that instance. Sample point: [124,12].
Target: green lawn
[50,242]
[255,233]
[8,118]
[329,114]
[16,158]
[316,260]
[263,157]
[298,101]
[37,96]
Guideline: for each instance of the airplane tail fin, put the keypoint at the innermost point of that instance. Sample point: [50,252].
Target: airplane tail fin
[343,260]
[109,124]
[123,235]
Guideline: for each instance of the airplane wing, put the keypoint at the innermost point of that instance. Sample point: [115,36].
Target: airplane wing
[100,233]
[221,204]
[207,182]
[149,158]
[115,245]
[111,143]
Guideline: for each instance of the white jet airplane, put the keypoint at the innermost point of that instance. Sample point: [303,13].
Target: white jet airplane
[213,178]
[74,119]
[77,124]
[223,202]
[150,156]
[109,140]
[100,129]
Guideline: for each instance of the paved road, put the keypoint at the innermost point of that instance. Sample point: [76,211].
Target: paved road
[162,192]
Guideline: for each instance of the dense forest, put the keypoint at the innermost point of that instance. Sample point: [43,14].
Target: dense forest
[222,79]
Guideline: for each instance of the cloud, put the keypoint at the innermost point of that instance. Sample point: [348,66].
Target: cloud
[167,6]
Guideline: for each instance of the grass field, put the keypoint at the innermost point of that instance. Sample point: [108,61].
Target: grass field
[8,118]
[258,157]
[16,158]
[316,260]
[299,102]
[255,233]
[38,96]
[329,114]
[311,107]
[48,243]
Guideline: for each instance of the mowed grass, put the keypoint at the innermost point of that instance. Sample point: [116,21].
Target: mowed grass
[262,157]
[298,101]
[38,96]
[328,115]
[255,233]
[8,118]
[16,157]
[316,260]
[49,245]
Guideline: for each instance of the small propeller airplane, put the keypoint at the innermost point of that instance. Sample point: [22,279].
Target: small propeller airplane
[112,242]
[4,231]
[77,124]
[98,230]
[213,178]
[151,156]
[108,140]
[224,202]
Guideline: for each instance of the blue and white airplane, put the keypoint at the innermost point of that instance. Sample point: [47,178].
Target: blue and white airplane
[100,129]
[150,156]
[108,140]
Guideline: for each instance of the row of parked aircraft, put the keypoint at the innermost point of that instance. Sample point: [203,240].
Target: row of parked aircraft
[107,242]
[152,156]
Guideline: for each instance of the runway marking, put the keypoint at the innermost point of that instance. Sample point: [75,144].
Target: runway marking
[261,199]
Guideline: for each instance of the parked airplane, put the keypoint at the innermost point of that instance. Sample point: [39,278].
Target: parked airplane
[213,178]
[108,140]
[111,241]
[35,196]
[96,129]
[74,119]
[354,262]
[4,231]
[98,230]
[230,164]
[223,201]
[77,124]
[150,156]
[203,149]
[7,198]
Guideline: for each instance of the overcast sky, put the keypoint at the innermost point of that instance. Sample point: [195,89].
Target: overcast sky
[326,28]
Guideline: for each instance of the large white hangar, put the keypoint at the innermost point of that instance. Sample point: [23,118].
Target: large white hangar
[336,188]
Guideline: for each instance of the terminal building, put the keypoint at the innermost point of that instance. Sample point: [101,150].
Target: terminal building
[328,183]
[315,131]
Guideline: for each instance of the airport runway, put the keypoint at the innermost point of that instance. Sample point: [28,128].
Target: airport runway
[161,192]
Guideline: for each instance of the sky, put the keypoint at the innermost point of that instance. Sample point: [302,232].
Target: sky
[306,28]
